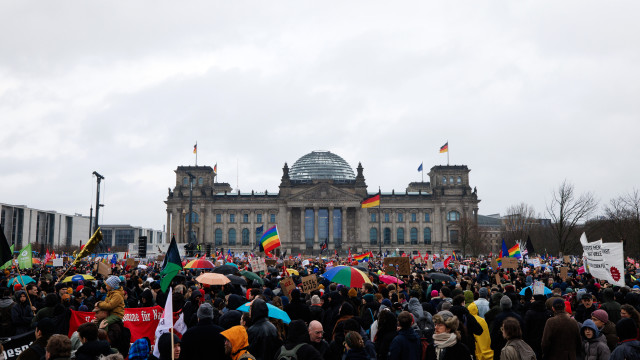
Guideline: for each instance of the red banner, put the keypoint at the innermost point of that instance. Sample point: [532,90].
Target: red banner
[140,321]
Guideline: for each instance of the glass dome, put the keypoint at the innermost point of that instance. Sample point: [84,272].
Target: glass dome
[321,165]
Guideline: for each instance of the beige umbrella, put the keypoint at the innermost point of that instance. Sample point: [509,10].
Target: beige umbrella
[213,279]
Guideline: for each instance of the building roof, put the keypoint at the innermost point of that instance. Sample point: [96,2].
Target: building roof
[321,165]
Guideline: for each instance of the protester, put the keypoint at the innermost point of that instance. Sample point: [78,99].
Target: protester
[606,327]
[204,332]
[91,346]
[114,302]
[263,335]
[297,343]
[140,349]
[561,335]
[446,344]
[483,349]
[316,339]
[58,348]
[165,349]
[236,342]
[629,347]
[593,342]
[354,346]
[515,348]
[44,330]
[406,345]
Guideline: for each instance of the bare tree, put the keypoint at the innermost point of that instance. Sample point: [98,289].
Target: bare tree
[519,221]
[469,237]
[623,218]
[566,211]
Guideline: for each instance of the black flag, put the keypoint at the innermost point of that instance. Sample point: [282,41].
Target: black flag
[5,250]
[529,246]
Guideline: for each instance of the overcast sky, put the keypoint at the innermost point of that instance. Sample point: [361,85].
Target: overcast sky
[528,93]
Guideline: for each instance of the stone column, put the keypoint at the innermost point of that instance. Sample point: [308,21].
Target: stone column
[330,219]
[315,226]
[302,240]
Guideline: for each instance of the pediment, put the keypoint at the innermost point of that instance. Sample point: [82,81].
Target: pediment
[324,192]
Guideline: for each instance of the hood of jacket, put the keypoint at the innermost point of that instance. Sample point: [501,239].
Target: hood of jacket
[608,295]
[415,308]
[6,302]
[589,324]
[237,336]
[235,301]
[495,298]
[473,309]
[259,310]
[468,297]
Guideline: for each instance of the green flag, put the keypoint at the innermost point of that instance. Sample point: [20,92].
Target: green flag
[8,263]
[171,265]
[24,259]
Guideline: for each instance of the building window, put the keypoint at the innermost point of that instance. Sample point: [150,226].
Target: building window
[309,227]
[245,237]
[387,236]
[232,237]
[273,218]
[444,180]
[194,218]
[185,181]
[373,217]
[337,228]
[107,236]
[259,218]
[245,218]
[459,180]
[453,216]
[323,225]
[427,236]
[451,180]
[414,217]
[453,236]
[232,218]
[427,217]
[218,218]
[200,181]
[414,236]
[373,236]
[218,237]
[386,217]
[259,231]
[400,236]
[400,217]
[124,237]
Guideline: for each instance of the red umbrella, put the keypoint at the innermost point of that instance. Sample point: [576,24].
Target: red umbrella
[199,264]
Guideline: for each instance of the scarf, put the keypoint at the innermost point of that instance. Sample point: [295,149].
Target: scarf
[443,341]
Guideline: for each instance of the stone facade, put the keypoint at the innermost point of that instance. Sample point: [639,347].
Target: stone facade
[311,211]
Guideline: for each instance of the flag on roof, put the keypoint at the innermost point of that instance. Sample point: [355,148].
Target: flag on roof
[420,167]
[515,252]
[444,148]
[371,202]
[270,240]
[195,148]
[171,265]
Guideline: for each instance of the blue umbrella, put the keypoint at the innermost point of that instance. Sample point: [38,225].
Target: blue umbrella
[274,312]
[232,264]
[22,280]
[547,291]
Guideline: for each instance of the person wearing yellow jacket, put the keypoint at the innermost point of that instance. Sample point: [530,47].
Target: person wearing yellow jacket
[483,341]
[236,343]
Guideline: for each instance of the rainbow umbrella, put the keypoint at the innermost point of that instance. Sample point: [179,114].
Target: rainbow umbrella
[199,264]
[347,276]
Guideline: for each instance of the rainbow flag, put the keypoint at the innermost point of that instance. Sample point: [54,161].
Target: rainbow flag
[270,240]
[363,257]
[444,148]
[457,257]
[371,202]
[515,252]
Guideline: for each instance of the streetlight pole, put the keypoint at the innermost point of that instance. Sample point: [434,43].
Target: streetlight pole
[99,178]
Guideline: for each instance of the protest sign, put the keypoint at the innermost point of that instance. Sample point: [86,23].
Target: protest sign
[403,263]
[538,288]
[287,285]
[509,263]
[497,276]
[390,270]
[131,262]
[258,264]
[438,265]
[564,272]
[103,269]
[15,345]
[309,283]
[494,263]
[605,261]
[566,259]
[289,262]
[57,262]
[429,264]
[271,262]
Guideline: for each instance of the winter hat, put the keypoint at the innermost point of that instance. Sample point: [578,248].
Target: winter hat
[17,287]
[626,329]
[434,293]
[600,315]
[366,297]
[205,311]
[113,281]
[505,303]
[353,293]
[140,349]
[164,344]
[387,303]
[483,293]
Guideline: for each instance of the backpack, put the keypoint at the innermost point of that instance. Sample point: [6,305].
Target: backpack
[289,354]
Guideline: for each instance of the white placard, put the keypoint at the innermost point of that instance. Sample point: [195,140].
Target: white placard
[538,288]
[605,261]
[57,262]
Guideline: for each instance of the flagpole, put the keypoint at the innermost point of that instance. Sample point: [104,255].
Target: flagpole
[172,345]
[197,165]
[422,171]
[25,288]
[380,222]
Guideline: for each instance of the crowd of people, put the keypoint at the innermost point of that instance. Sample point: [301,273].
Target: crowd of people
[482,313]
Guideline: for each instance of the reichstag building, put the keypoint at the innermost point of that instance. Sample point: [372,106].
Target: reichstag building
[319,201]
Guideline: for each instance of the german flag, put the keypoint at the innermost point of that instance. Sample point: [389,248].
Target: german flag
[444,148]
[371,202]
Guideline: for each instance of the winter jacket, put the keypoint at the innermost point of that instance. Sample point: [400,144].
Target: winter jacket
[468,327]
[263,335]
[204,332]
[406,346]
[517,349]
[595,348]
[356,354]
[497,341]
[114,303]
[609,332]
[561,338]
[383,343]
[21,315]
[298,334]
[534,322]
[296,309]
[316,312]
[31,353]
[239,340]
[455,352]
[92,350]
[7,328]
[582,313]
[483,306]
[483,342]
[627,350]
[609,305]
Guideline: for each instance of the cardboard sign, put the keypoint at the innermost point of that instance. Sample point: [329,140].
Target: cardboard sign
[390,270]
[131,262]
[289,263]
[509,263]
[418,260]
[103,269]
[538,288]
[58,262]
[271,262]
[566,259]
[403,263]
[287,285]
[309,283]
[564,272]
[160,258]
[429,264]
[494,263]
[258,264]
[498,279]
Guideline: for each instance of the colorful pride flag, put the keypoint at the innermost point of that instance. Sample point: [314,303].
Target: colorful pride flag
[457,257]
[515,252]
[444,148]
[503,252]
[371,202]
[363,257]
[270,240]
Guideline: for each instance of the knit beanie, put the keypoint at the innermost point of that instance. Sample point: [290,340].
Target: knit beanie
[353,293]
[505,303]
[205,311]
[601,315]
[483,292]
[113,281]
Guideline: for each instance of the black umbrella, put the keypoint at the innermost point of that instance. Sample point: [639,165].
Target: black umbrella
[440,277]
[362,268]
[237,280]
[226,270]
